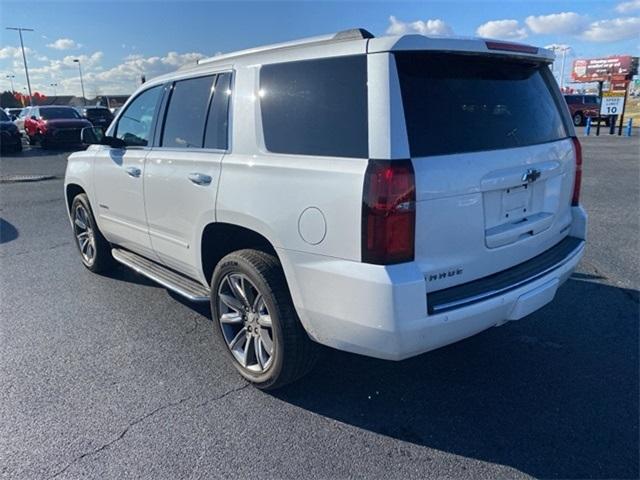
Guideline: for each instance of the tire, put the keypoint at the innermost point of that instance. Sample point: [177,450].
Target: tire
[578,119]
[293,354]
[18,147]
[96,254]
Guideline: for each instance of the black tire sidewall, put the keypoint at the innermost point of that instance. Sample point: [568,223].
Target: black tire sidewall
[102,260]
[236,263]
[576,116]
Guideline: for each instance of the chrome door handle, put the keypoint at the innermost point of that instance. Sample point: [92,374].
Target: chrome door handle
[200,178]
[133,171]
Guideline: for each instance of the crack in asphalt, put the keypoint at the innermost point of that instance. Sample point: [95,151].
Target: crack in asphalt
[140,420]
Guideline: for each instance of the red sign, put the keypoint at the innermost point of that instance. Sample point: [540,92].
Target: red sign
[601,69]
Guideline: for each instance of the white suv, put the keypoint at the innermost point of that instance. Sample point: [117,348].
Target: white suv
[383,196]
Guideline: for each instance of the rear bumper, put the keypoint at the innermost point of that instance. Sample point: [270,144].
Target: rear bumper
[383,311]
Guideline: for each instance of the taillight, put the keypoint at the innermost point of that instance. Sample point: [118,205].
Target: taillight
[575,199]
[388,212]
[511,47]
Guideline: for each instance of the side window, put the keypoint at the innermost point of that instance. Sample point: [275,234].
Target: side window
[571,100]
[184,123]
[316,107]
[217,132]
[134,126]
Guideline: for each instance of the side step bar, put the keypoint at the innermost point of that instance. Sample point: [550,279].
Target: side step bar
[175,282]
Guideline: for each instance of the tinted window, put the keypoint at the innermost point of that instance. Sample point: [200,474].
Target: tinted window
[457,103]
[184,124]
[316,107]
[53,112]
[134,126]
[4,117]
[591,100]
[98,113]
[572,99]
[216,135]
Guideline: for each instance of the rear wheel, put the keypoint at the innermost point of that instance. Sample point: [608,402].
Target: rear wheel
[256,321]
[95,251]
[578,119]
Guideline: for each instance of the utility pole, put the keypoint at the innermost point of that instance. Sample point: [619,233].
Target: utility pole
[55,89]
[24,58]
[11,77]
[84,99]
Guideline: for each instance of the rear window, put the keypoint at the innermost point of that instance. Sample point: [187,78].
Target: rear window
[98,113]
[316,107]
[462,103]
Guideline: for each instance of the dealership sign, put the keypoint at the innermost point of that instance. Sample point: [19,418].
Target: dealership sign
[602,69]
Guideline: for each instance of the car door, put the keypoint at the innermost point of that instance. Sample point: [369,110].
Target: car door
[119,175]
[182,171]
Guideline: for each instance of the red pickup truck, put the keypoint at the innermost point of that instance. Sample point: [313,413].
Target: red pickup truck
[583,107]
[54,125]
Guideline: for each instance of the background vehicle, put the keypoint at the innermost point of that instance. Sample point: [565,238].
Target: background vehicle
[54,125]
[10,137]
[22,116]
[13,112]
[582,107]
[98,116]
[314,190]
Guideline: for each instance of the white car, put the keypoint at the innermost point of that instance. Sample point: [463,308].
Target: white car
[383,196]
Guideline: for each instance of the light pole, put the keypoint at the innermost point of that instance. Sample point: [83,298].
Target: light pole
[11,77]
[55,89]
[84,99]
[564,49]
[24,58]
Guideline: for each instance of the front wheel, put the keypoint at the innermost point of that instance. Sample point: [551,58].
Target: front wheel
[256,321]
[95,251]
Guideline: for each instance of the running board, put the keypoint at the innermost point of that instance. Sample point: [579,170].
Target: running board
[175,282]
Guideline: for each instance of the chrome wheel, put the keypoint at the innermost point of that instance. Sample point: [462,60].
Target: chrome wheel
[245,322]
[85,235]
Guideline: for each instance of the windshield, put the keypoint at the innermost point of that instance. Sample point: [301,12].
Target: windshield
[55,113]
[4,117]
[461,103]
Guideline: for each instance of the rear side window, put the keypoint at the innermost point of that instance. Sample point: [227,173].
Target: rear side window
[216,132]
[460,103]
[590,100]
[316,107]
[184,123]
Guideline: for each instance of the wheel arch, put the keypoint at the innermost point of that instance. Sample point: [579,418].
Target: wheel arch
[72,190]
[219,239]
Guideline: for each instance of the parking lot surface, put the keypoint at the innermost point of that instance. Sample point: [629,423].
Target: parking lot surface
[114,377]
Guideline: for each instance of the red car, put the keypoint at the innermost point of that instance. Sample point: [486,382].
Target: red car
[583,107]
[54,125]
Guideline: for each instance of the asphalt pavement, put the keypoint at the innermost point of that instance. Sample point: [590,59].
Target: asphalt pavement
[114,377]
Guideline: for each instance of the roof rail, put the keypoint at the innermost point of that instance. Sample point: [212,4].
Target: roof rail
[351,34]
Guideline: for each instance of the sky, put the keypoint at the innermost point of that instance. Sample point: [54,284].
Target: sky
[118,41]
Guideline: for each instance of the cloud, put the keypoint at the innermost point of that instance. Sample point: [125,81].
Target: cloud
[557,23]
[626,7]
[14,52]
[502,29]
[64,44]
[613,30]
[423,27]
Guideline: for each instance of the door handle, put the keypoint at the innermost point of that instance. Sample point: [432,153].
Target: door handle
[133,171]
[200,178]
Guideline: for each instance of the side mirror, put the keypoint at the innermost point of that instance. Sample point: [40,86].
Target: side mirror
[96,136]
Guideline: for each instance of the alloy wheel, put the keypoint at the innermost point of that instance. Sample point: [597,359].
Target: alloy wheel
[85,235]
[245,322]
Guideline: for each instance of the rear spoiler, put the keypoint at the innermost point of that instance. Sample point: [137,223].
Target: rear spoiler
[459,45]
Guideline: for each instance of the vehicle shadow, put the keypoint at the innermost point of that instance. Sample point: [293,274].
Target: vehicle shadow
[7,231]
[555,395]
